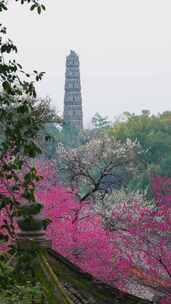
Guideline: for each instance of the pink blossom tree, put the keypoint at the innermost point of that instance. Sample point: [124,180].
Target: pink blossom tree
[133,248]
[132,244]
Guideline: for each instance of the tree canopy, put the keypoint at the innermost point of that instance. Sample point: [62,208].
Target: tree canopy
[153,133]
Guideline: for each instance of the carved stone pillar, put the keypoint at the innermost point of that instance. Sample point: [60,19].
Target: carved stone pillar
[31,226]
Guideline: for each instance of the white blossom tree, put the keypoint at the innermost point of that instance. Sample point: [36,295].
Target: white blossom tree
[87,167]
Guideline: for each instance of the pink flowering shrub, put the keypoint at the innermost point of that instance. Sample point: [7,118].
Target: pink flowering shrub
[133,249]
[84,241]
[136,248]
[136,245]
[161,186]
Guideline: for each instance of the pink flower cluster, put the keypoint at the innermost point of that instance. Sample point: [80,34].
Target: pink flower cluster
[137,248]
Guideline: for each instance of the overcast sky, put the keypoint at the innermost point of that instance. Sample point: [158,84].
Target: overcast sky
[124,48]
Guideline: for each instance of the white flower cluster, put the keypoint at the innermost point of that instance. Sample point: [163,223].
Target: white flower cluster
[86,167]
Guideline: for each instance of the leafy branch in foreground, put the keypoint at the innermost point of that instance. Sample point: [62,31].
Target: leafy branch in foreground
[34,5]
[20,123]
[13,292]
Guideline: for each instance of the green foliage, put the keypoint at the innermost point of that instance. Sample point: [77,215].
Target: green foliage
[22,294]
[53,135]
[34,5]
[12,291]
[72,137]
[21,118]
[50,136]
[153,133]
[100,122]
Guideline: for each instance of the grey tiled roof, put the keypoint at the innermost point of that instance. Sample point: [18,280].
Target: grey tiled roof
[82,288]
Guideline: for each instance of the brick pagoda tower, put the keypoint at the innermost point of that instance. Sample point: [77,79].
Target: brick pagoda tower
[73,114]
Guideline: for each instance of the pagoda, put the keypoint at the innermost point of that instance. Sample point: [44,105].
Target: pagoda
[73,115]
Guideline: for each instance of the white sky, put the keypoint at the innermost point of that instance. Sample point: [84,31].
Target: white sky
[124,48]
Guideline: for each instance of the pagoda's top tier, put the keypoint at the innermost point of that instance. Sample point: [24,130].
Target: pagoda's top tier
[72,59]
